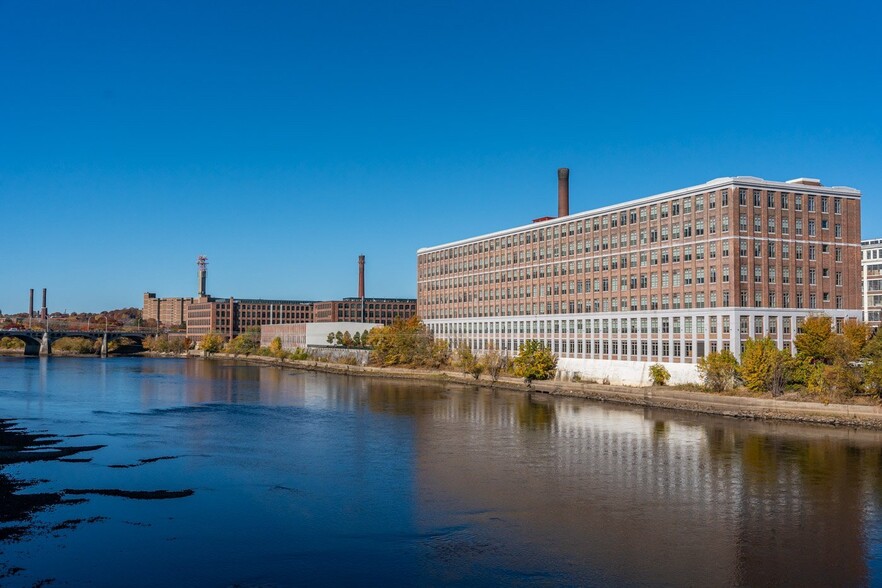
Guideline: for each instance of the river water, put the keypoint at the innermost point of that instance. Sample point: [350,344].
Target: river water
[302,478]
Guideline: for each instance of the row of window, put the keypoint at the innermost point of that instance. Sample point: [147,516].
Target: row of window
[655,257]
[575,249]
[652,212]
[642,303]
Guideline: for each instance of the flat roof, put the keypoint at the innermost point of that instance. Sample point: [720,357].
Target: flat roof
[741,181]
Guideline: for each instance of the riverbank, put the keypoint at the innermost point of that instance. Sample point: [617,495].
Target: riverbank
[840,415]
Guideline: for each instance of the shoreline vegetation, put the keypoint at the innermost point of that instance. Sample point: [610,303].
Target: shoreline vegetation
[834,378]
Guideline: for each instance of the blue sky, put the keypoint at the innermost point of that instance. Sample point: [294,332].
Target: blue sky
[283,139]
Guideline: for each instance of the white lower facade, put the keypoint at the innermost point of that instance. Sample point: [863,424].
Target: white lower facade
[618,348]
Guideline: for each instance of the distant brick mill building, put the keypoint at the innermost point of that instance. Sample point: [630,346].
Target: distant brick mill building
[231,316]
[171,312]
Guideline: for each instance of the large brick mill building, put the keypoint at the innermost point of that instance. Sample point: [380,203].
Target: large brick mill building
[663,279]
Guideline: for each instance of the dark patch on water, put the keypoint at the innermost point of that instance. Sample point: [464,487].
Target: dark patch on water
[280,488]
[133,494]
[144,461]
[74,523]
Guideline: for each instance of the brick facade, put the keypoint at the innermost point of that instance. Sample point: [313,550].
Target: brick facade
[667,278]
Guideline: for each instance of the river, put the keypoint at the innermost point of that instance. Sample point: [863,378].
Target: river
[302,478]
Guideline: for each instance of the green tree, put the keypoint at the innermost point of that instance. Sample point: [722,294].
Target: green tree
[356,339]
[338,337]
[534,361]
[718,370]
[331,338]
[212,343]
[764,367]
[659,374]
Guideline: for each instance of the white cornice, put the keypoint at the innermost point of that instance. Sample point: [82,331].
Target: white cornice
[734,181]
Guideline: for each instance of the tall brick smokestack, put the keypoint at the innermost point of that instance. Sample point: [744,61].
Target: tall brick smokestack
[361,276]
[361,284]
[44,312]
[563,191]
[31,305]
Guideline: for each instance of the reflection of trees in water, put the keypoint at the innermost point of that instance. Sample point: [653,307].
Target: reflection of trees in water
[801,517]
[535,415]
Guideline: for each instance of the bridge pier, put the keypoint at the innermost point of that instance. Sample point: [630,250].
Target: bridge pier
[104,345]
[45,345]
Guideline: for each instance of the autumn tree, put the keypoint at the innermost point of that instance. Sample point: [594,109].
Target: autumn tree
[659,374]
[718,370]
[493,362]
[764,367]
[465,359]
[212,343]
[244,344]
[406,342]
[534,361]
[813,337]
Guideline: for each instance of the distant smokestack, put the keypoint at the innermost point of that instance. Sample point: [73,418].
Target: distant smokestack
[31,305]
[201,263]
[563,192]
[44,313]
[361,283]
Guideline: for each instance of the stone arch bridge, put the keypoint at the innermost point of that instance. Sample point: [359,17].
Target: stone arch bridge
[40,342]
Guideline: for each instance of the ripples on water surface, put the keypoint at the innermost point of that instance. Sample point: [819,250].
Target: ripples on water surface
[302,478]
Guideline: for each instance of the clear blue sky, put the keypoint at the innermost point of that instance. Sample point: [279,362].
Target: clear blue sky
[283,139]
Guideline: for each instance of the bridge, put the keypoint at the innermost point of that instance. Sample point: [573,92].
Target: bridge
[40,342]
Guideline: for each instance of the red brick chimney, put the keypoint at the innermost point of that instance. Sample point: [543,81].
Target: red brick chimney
[563,192]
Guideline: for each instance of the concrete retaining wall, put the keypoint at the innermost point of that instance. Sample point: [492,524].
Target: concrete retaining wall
[339,355]
[623,373]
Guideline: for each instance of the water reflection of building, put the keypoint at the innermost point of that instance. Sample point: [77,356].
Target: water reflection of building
[650,497]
